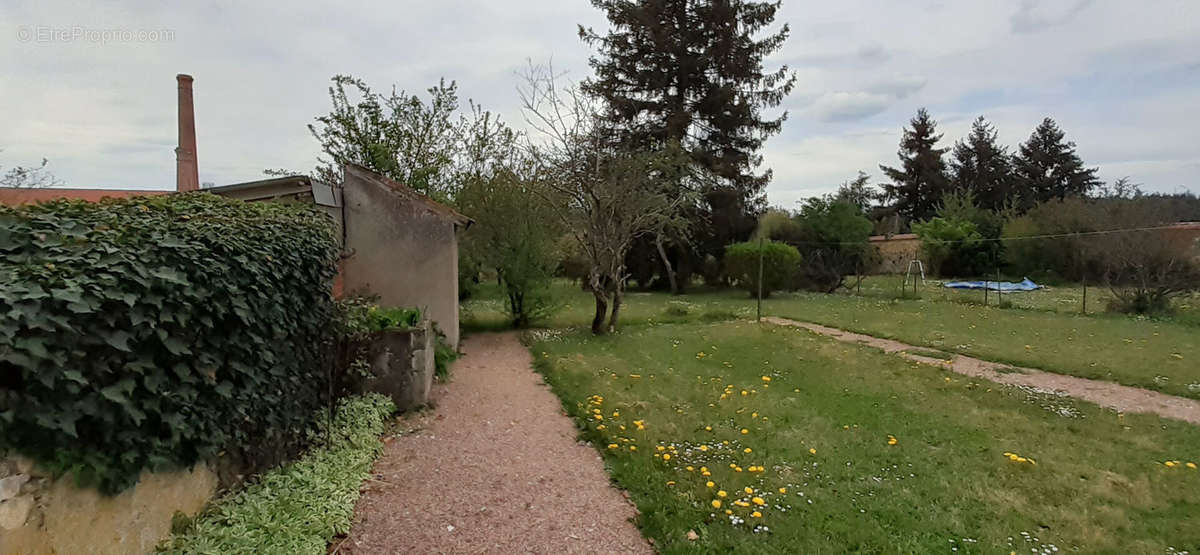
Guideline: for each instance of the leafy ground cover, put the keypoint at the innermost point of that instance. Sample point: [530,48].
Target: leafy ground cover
[1158,355]
[738,437]
[300,506]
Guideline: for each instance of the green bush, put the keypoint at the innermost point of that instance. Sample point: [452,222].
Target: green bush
[780,264]
[833,238]
[945,243]
[299,507]
[154,332]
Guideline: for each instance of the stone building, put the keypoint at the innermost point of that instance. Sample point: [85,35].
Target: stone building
[397,244]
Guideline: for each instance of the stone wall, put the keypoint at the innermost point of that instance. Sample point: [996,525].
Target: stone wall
[401,366]
[43,515]
[896,251]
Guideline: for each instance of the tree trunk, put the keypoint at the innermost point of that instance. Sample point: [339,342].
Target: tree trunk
[662,252]
[601,312]
[616,309]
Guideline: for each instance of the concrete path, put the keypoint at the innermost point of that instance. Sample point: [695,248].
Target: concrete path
[1106,394]
[495,468]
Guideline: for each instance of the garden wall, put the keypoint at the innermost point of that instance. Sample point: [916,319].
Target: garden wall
[401,366]
[895,251]
[40,514]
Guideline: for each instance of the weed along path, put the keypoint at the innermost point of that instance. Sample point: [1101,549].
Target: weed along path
[1106,394]
[495,468]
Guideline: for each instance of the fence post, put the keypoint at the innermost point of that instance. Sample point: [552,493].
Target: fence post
[1085,292]
[999,291]
[758,318]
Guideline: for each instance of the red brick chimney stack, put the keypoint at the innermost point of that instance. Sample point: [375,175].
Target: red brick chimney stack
[187,175]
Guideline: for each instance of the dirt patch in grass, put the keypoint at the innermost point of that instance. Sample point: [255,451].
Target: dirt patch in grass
[1106,394]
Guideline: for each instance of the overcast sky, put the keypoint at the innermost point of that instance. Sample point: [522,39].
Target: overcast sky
[1121,77]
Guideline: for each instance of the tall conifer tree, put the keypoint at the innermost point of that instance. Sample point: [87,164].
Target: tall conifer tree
[983,166]
[918,184]
[1047,166]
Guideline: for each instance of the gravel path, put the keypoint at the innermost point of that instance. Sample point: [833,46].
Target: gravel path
[1106,394]
[495,468]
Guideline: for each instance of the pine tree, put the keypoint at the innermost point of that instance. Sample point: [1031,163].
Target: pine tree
[920,181]
[1048,167]
[983,167]
[691,72]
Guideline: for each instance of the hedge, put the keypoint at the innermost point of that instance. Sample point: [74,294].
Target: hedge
[780,265]
[155,332]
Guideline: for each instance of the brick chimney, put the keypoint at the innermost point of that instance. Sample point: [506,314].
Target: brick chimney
[187,177]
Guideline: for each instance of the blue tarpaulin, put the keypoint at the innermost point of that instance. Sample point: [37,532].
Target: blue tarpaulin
[1005,286]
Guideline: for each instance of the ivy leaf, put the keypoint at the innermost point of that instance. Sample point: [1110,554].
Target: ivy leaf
[75,376]
[176,346]
[119,340]
[118,392]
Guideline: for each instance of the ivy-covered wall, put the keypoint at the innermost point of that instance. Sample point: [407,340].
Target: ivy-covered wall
[154,332]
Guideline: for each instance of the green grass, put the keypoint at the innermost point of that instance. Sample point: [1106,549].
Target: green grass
[1154,354]
[1099,484]
[485,311]
[296,508]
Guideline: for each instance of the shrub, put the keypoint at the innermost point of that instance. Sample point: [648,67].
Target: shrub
[944,241]
[517,235]
[299,507]
[155,332]
[780,262]
[1144,269]
[833,238]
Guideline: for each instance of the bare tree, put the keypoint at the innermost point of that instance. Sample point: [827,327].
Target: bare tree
[604,195]
[29,177]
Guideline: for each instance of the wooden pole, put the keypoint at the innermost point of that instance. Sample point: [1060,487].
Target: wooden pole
[999,290]
[1085,292]
[760,278]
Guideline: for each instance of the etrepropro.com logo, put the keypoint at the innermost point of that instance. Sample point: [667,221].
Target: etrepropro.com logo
[91,35]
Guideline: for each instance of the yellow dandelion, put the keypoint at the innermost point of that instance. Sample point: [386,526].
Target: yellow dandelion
[759,501]
[709,484]
[782,490]
[716,503]
[671,483]
[747,450]
[766,378]
[1191,465]
[633,447]
[745,431]
[1170,464]
[812,451]
[666,456]
[612,446]
[708,428]
[689,469]
[721,493]
[756,514]
[748,489]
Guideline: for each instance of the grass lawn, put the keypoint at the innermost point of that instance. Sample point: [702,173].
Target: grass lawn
[666,403]
[1067,299]
[485,311]
[1163,356]
[1159,355]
